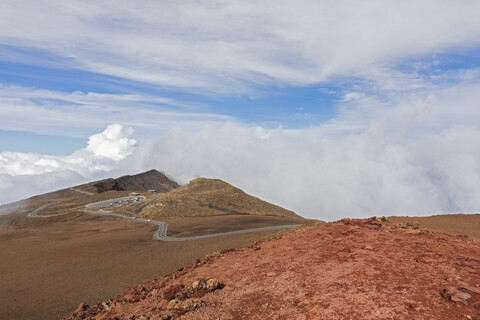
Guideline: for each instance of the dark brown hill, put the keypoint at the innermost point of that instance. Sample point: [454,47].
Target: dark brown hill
[206,197]
[149,180]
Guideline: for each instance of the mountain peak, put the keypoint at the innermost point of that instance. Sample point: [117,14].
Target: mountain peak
[148,180]
[207,197]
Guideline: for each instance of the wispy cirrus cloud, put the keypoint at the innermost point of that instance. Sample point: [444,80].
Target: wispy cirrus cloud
[236,47]
[78,114]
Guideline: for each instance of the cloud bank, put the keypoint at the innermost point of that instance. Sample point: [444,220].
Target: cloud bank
[104,150]
[414,156]
[28,174]
[352,176]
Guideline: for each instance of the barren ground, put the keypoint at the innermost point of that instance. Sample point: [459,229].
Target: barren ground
[461,224]
[195,226]
[48,267]
[343,270]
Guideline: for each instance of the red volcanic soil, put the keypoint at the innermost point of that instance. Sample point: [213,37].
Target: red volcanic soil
[344,270]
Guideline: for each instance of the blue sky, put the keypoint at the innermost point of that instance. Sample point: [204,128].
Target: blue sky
[92,89]
[248,63]
[268,106]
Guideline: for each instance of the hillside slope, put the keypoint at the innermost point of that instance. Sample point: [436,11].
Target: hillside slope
[70,200]
[345,270]
[206,197]
[149,180]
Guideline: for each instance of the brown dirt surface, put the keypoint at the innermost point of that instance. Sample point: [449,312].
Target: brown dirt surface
[197,226]
[460,224]
[205,197]
[352,269]
[47,269]
[62,201]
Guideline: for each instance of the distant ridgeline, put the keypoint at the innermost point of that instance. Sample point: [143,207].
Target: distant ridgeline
[150,180]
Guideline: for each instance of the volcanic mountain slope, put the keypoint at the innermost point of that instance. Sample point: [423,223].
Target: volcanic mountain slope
[149,180]
[75,198]
[206,197]
[361,269]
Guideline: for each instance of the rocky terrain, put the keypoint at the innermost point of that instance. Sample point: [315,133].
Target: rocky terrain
[149,180]
[206,197]
[351,269]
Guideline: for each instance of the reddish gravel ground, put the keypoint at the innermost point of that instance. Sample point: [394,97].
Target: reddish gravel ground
[344,270]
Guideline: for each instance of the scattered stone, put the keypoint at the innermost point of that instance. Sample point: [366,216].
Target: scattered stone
[107,306]
[456,294]
[178,307]
[199,288]
[172,291]
[212,256]
[212,284]
[184,305]
[412,225]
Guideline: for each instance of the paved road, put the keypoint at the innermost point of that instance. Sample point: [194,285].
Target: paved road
[161,233]
[35,212]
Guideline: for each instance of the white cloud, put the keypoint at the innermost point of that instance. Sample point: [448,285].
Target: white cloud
[414,155]
[113,143]
[390,167]
[232,47]
[404,141]
[78,114]
[102,154]
[418,155]
[352,96]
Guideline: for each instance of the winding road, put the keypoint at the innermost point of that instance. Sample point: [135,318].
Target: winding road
[161,233]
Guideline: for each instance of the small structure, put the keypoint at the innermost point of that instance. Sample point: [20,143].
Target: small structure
[133,194]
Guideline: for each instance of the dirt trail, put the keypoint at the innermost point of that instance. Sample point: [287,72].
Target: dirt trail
[81,191]
[343,270]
